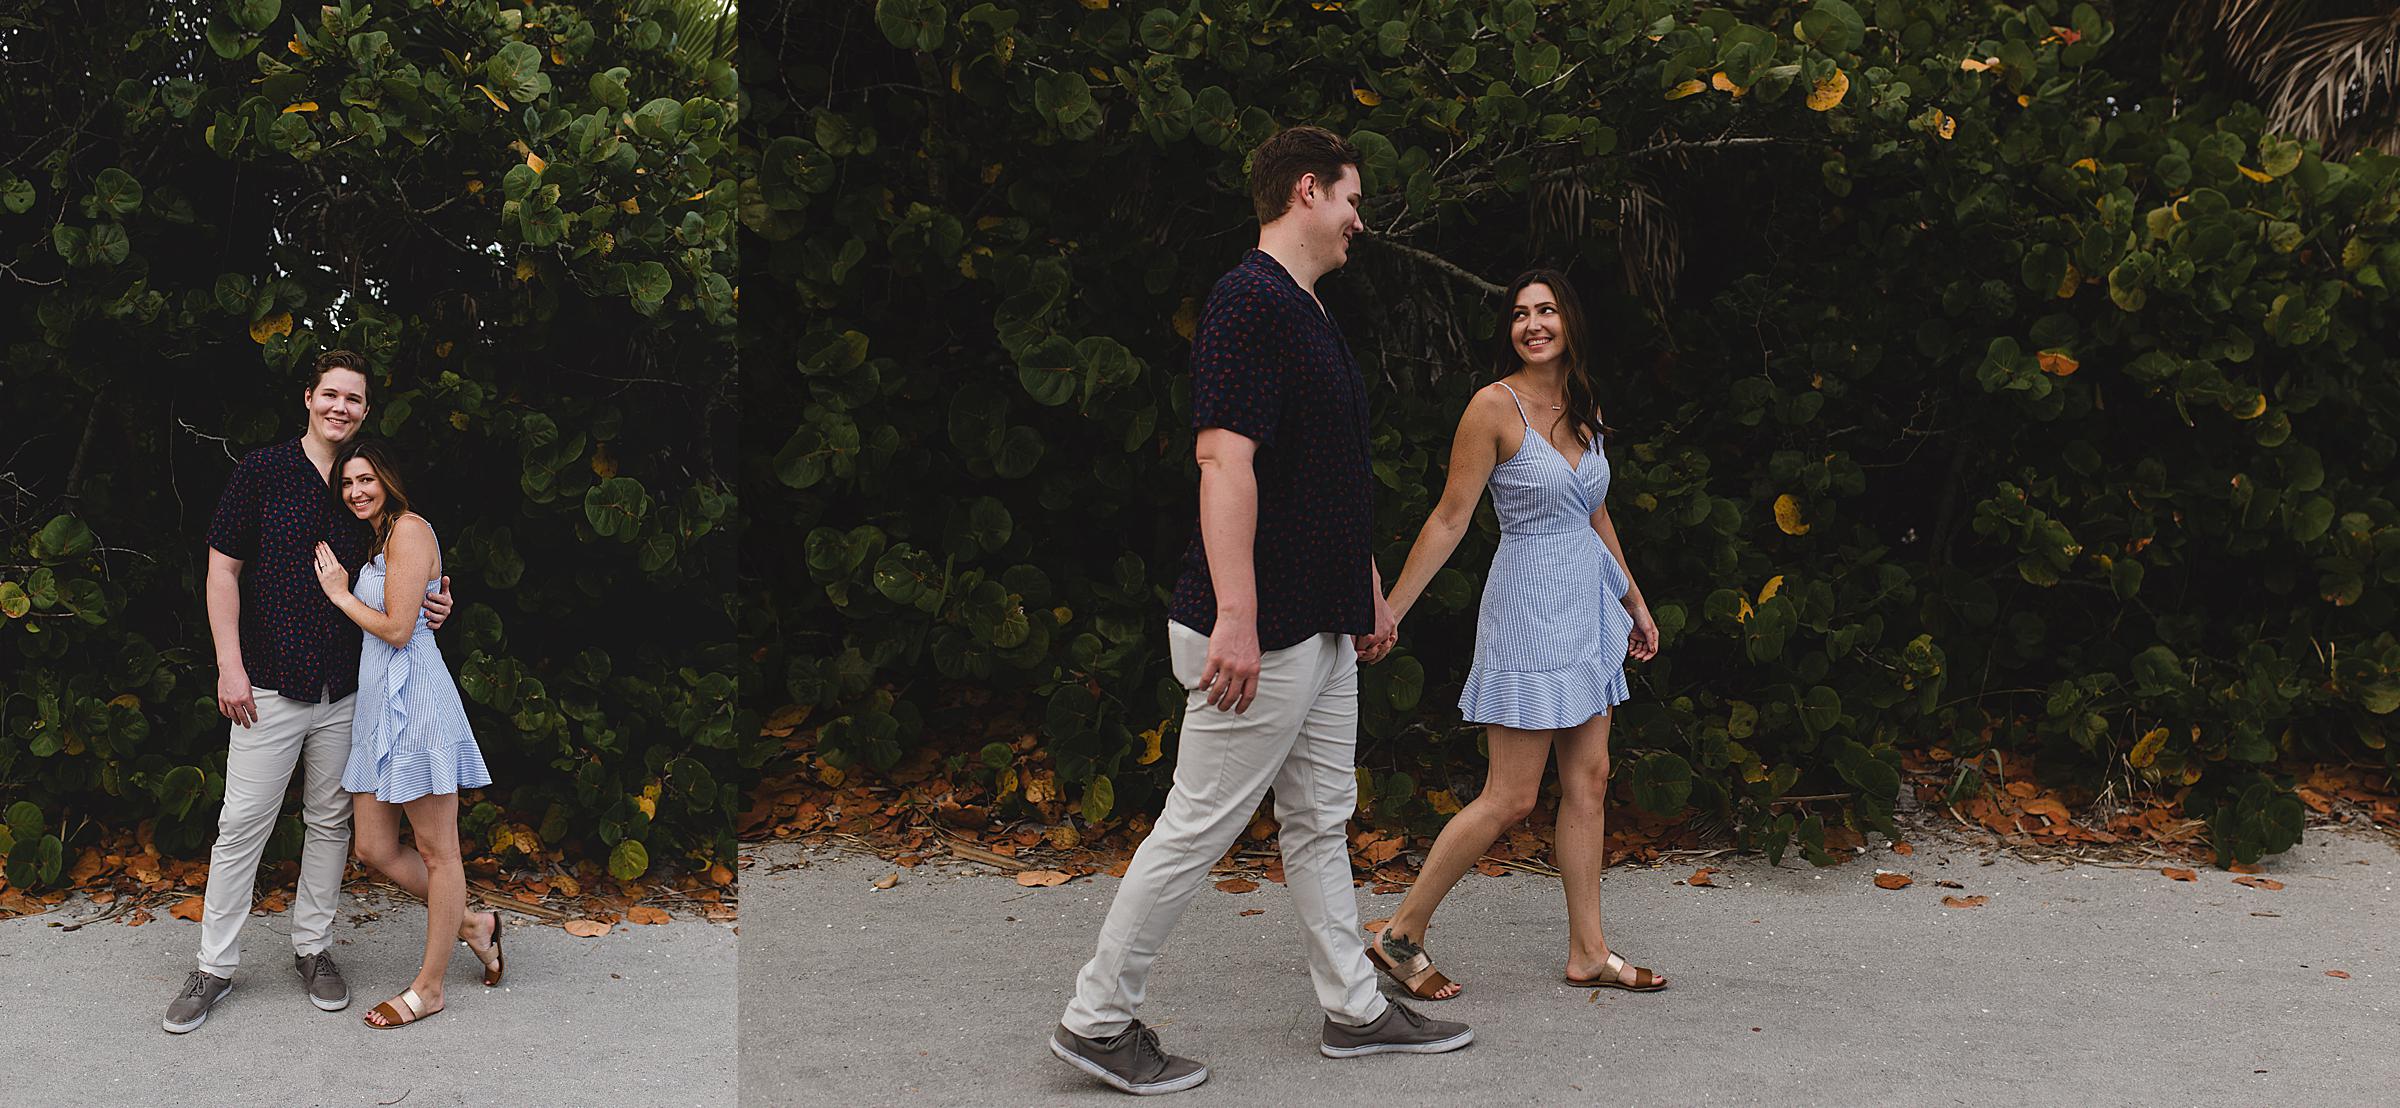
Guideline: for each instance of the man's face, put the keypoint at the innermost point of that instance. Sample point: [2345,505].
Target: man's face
[337,404]
[1332,212]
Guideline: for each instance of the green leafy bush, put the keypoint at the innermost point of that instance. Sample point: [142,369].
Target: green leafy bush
[1991,405]
[541,275]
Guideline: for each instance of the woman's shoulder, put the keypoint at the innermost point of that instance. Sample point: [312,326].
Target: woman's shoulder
[410,525]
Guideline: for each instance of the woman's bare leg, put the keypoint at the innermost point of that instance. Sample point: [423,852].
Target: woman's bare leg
[1512,785]
[375,838]
[1582,843]
[433,823]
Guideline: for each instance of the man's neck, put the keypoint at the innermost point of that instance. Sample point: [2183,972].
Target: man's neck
[1291,251]
[320,453]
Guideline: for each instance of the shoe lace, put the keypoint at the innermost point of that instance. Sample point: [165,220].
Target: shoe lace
[195,985]
[314,964]
[1145,1045]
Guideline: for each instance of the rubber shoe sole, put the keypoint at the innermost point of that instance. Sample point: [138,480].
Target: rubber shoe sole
[1152,1089]
[174,1028]
[329,1005]
[1436,1046]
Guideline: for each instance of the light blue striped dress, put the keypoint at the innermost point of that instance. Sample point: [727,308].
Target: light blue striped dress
[409,737]
[1551,636]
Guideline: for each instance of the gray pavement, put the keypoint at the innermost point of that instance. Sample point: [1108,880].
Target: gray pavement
[642,1015]
[1790,985]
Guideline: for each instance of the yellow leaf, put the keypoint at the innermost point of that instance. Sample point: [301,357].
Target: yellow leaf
[1187,318]
[2068,283]
[630,206]
[1774,585]
[278,324]
[604,464]
[127,700]
[458,420]
[1687,88]
[1948,127]
[295,47]
[442,349]
[558,55]
[1973,65]
[496,101]
[2146,751]
[535,160]
[1040,787]
[1062,614]
[2253,174]
[524,269]
[1829,92]
[1096,5]
[474,187]
[1367,96]
[1443,803]
[2087,165]
[2057,364]
[2254,409]
[648,806]
[1723,83]
[956,71]
[501,838]
[1743,616]
[991,173]
[1150,742]
[311,105]
[1787,516]
[1004,785]
[831,776]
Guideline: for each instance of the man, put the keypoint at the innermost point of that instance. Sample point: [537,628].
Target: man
[287,672]
[1278,575]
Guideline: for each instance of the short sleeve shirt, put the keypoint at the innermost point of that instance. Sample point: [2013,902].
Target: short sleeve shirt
[274,512]
[1270,365]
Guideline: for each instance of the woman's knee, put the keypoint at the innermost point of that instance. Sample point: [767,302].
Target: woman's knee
[1510,806]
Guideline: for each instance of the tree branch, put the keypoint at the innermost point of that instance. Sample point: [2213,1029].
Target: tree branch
[1436,261]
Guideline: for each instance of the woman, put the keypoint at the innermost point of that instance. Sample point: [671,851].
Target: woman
[411,750]
[1560,615]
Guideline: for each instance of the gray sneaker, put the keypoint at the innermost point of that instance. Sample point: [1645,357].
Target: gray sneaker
[1400,1030]
[1130,1060]
[326,989]
[201,992]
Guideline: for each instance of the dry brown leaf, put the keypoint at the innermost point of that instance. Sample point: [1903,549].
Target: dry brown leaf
[2337,973]
[1903,848]
[1042,878]
[888,880]
[1254,911]
[1699,878]
[1946,883]
[586,928]
[137,917]
[1964,901]
[647,915]
[1893,880]
[2179,874]
[189,908]
[2267,883]
[1237,885]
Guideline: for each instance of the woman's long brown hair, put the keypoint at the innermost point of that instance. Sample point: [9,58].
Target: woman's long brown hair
[1582,400]
[395,494]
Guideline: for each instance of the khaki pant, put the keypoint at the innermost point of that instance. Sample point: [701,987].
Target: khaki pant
[258,768]
[1300,736]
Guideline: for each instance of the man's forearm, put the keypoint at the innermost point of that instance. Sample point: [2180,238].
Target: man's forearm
[225,618]
[1228,530]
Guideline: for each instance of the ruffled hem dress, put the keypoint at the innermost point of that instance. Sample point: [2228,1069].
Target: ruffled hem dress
[409,737]
[1552,632]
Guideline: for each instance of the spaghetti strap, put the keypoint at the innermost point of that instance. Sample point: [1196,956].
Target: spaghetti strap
[1513,399]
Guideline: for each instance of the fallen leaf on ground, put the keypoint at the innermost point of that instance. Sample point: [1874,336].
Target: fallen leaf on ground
[137,917]
[189,908]
[2243,867]
[2267,883]
[1254,911]
[2337,973]
[1893,881]
[908,861]
[2179,874]
[586,928]
[1903,848]
[1699,878]
[1041,878]
[645,914]
[1374,925]
[1237,885]
[1946,883]
[1964,901]
[888,880]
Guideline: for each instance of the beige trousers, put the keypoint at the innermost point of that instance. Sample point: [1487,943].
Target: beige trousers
[258,768]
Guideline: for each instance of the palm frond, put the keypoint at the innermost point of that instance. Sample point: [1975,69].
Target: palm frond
[2321,81]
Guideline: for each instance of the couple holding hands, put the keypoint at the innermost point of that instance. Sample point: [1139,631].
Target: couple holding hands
[1280,600]
[319,670]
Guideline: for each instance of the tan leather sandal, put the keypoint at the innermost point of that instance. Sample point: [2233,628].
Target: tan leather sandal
[391,1015]
[1413,970]
[493,968]
[1612,973]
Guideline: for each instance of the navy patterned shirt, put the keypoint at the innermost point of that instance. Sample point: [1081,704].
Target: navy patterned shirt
[275,511]
[1270,365]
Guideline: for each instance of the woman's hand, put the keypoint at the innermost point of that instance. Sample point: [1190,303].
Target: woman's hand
[330,573]
[1643,645]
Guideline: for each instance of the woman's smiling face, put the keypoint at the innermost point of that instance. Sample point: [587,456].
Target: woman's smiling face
[361,491]
[1534,326]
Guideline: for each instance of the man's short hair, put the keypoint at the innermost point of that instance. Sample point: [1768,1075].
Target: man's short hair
[1290,154]
[332,360]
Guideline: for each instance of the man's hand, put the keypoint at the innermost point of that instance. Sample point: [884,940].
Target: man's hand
[437,605]
[1231,677]
[1375,647]
[234,699]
